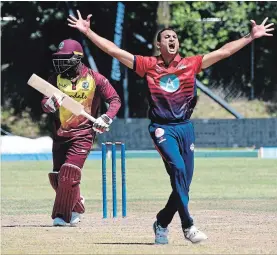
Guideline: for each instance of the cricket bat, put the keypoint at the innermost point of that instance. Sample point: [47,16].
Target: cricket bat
[49,90]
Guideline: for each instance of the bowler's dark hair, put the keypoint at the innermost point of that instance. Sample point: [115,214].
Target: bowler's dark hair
[160,32]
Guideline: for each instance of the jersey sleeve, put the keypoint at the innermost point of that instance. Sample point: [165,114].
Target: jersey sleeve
[108,93]
[141,65]
[197,63]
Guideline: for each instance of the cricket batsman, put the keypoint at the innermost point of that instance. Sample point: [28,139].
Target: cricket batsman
[73,136]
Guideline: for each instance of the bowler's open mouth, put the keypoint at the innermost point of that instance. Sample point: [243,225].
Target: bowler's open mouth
[172,46]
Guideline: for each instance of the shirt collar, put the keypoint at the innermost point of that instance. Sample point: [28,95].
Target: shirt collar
[176,59]
[83,70]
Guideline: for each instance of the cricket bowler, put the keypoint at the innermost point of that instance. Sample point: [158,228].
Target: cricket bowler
[172,97]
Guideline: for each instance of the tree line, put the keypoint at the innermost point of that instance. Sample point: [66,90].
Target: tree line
[29,41]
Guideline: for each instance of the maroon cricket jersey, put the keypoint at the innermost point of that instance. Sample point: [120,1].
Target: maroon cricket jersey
[172,89]
[89,88]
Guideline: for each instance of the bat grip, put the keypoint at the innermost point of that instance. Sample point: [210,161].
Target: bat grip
[88,116]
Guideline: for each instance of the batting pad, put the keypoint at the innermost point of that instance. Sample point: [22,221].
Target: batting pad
[53,178]
[79,207]
[68,192]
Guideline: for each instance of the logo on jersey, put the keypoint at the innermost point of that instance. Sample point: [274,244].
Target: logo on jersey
[170,83]
[85,85]
[159,132]
[181,67]
[192,147]
[79,96]
[158,69]
[61,45]
[62,85]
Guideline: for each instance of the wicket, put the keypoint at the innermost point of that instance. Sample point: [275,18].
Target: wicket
[104,178]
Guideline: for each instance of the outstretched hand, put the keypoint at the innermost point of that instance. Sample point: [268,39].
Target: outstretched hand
[81,24]
[261,30]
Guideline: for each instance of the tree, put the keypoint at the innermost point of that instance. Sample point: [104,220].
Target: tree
[199,35]
[163,21]
[29,41]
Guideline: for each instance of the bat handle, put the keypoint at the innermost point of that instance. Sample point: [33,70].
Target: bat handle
[88,116]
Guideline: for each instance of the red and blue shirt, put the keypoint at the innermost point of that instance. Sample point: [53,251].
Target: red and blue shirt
[172,89]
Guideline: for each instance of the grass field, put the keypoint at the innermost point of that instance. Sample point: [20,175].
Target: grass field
[234,201]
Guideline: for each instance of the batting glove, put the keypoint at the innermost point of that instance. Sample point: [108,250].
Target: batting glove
[102,124]
[54,103]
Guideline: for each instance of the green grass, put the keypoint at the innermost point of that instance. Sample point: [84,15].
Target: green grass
[233,200]
[25,186]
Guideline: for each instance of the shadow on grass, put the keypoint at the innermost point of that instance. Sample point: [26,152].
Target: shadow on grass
[127,243]
[27,226]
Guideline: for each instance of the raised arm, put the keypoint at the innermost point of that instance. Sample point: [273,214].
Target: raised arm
[107,46]
[232,47]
